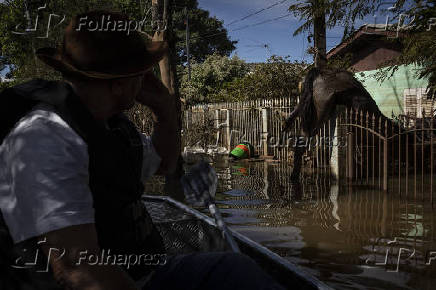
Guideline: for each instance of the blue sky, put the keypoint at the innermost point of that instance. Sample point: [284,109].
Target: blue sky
[277,34]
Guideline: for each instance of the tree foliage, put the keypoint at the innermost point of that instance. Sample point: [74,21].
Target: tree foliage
[279,77]
[18,50]
[18,47]
[207,34]
[223,79]
[210,77]
[419,40]
[338,12]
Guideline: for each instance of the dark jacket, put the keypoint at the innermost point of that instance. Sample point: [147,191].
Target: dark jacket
[115,163]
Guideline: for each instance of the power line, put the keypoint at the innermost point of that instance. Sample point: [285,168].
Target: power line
[241,28]
[260,23]
[209,36]
[257,12]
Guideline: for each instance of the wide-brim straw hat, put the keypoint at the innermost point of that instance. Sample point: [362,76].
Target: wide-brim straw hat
[98,45]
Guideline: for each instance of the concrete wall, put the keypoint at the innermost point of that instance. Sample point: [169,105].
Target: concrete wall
[389,95]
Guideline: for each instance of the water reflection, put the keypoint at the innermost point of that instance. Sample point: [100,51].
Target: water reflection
[350,237]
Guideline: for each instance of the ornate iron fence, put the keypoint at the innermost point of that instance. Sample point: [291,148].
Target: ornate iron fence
[359,146]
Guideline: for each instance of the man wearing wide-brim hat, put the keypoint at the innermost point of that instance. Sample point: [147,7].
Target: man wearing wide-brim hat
[72,168]
[72,165]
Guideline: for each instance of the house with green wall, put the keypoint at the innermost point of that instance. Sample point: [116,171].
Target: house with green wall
[369,50]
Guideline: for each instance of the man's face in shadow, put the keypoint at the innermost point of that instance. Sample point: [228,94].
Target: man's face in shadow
[125,91]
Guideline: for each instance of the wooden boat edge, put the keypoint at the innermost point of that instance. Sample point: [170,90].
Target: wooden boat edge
[300,280]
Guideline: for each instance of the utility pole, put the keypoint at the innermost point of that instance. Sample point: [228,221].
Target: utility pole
[161,13]
[188,44]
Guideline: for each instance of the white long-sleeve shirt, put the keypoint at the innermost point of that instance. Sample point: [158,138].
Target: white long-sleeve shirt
[44,179]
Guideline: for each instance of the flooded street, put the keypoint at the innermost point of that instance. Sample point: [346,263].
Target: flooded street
[349,237]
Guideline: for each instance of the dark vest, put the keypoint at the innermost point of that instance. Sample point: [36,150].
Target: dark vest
[115,163]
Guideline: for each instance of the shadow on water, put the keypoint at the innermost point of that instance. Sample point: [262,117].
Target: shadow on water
[350,237]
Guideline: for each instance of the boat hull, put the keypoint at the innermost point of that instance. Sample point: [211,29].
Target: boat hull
[186,230]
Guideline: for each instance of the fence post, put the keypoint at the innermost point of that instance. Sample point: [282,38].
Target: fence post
[187,121]
[385,165]
[385,158]
[336,133]
[228,129]
[217,126]
[265,130]
[350,151]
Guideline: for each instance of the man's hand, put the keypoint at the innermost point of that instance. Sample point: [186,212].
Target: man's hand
[199,185]
[166,134]
[73,275]
[156,96]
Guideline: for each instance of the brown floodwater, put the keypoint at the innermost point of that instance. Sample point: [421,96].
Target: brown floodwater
[351,237]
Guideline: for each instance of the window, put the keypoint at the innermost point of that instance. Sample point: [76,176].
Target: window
[418,101]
